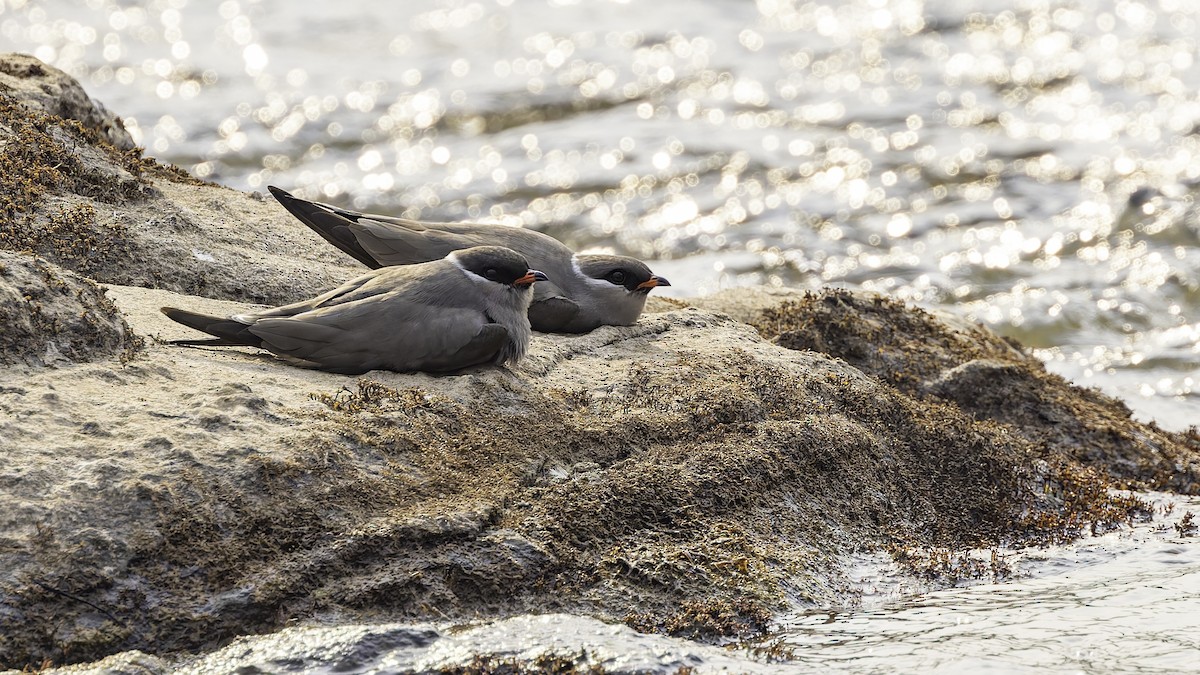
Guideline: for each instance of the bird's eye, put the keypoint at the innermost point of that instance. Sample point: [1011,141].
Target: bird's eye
[616,277]
[491,273]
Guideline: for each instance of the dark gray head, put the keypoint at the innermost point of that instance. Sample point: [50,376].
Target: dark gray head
[496,263]
[619,271]
[609,290]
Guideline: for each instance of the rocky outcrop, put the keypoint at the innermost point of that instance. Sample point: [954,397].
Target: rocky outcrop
[936,356]
[73,191]
[42,89]
[689,475]
[51,316]
[682,475]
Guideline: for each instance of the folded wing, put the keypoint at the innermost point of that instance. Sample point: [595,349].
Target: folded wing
[384,332]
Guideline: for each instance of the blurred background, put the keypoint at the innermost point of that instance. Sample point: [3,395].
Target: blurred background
[1030,164]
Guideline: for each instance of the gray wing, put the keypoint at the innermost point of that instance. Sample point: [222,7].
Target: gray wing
[362,287]
[376,241]
[485,347]
[395,241]
[384,332]
[328,221]
[551,310]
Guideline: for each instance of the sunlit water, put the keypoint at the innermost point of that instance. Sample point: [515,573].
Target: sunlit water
[1124,601]
[1033,165]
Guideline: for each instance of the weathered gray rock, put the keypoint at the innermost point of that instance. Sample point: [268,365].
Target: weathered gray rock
[543,643]
[40,87]
[53,317]
[564,643]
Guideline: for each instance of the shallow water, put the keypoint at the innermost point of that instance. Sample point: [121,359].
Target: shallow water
[1033,165]
[1121,602]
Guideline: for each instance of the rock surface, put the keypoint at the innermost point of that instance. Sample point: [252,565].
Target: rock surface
[41,88]
[689,475]
[559,643]
[69,194]
[51,316]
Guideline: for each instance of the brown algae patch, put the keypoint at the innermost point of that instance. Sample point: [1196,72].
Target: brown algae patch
[694,494]
[43,88]
[988,377]
[950,566]
[54,174]
[706,620]
[43,156]
[555,664]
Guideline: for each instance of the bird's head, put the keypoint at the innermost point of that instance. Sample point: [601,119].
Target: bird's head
[497,265]
[618,285]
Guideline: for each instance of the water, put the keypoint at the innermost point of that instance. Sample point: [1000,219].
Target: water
[1121,602]
[1033,165]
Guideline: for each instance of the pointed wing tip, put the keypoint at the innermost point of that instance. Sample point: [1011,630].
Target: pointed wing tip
[202,342]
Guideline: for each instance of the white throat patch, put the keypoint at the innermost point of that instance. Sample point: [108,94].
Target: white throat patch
[599,283]
[471,276]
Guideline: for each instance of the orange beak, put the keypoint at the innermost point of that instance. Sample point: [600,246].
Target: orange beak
[530,277]
[653,282]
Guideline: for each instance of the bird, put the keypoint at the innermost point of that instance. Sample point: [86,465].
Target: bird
[466,309]
[585,292]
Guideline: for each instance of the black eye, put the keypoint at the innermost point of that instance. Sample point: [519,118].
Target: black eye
[491,273]
[617,277]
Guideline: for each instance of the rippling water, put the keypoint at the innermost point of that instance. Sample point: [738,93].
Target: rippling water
[1033,164]
[1122,602]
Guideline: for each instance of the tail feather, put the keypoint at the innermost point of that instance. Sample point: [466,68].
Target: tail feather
[331,223]
[227,332]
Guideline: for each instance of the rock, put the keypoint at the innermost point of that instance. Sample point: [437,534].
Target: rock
[54,317]
[74,193]
[683,475]
[689,475]
[933,354]
[545,643]
[565,643]
[40,87]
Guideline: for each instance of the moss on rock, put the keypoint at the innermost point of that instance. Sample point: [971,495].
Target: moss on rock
[51,316]
[75,190]
[989,378]
[42,88]
[686,488]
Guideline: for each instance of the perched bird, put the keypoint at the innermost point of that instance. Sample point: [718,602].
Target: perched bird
[466,309]
[585,291]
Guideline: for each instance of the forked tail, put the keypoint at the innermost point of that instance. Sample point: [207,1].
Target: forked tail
[227,332]
[329,222]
